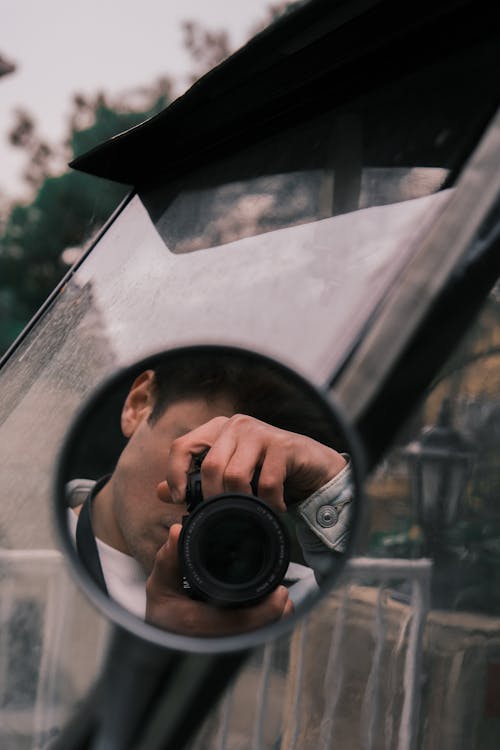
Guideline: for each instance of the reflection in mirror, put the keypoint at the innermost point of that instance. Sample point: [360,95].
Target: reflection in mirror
[209,491]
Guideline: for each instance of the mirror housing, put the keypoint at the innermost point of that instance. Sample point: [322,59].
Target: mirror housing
[279,405]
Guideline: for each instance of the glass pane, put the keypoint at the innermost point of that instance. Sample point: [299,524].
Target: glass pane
[406,652]
[130,297]
[375,149]
[462,635]
[338,681]
[50,647]
[215,216]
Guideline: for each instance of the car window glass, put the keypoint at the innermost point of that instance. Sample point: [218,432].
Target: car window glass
[416,623]
[373,150]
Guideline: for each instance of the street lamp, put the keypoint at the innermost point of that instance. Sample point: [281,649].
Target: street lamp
[439,463]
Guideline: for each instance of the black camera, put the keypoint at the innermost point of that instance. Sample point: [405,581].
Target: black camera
[233,548]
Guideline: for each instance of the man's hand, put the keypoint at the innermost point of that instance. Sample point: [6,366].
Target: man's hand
[169,608]
[237,446]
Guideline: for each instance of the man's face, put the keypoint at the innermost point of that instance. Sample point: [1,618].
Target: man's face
[141,519]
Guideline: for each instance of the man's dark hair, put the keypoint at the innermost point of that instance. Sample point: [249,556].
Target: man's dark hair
[254,387]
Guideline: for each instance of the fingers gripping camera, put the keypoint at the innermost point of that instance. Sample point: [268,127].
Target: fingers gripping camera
[233,549]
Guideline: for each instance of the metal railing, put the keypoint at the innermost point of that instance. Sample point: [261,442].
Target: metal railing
[330,678]
[291,695]
[51,644]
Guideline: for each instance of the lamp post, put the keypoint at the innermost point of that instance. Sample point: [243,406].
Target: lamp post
[439,465]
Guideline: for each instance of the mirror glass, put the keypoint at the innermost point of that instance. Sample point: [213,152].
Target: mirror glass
[208,492]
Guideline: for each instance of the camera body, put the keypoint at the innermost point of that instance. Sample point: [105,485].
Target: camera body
[233,548]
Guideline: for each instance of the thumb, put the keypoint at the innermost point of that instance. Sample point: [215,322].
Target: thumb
[166,576]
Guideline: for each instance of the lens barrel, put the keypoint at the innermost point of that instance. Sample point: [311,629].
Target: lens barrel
[233,549]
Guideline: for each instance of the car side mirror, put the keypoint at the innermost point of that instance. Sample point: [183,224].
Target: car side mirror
[207,497]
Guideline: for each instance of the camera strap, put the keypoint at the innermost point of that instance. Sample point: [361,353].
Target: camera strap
[86,545]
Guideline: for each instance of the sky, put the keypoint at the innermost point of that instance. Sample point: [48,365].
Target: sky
[65,46]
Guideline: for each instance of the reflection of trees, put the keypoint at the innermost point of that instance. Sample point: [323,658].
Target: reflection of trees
[471,381]
[66,209]
[222,214]
[472,378]
[480,342]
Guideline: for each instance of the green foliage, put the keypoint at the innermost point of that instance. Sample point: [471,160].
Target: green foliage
[66,212]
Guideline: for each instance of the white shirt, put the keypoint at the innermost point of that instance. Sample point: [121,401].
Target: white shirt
[124,577]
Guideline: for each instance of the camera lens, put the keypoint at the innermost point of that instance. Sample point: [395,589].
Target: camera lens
[234,550]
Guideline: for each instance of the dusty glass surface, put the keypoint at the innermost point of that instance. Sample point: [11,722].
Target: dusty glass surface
[240,293]
[132,296]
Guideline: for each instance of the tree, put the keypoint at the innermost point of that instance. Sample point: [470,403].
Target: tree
[67,208]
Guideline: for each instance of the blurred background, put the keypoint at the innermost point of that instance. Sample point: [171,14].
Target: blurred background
[71,76]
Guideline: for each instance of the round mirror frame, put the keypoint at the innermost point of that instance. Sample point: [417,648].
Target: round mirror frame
[117,614]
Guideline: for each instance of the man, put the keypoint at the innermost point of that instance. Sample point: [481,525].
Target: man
[248,419]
